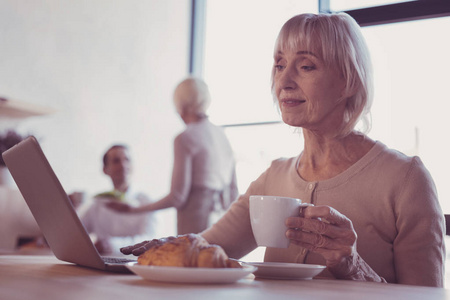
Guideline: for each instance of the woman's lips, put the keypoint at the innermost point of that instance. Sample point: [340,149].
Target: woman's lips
[291,102]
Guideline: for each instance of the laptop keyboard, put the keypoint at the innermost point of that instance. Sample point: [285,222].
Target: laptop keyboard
[117,260]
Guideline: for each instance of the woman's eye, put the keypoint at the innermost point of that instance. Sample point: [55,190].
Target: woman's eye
[308,67]
[279,67]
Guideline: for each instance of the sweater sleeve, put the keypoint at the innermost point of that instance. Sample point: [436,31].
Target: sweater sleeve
[419,247]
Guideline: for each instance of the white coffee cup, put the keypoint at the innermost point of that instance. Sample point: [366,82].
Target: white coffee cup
[268,215]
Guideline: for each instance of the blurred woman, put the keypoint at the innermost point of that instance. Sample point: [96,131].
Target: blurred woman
[203,177]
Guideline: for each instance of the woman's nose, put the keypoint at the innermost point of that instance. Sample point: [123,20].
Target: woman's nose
[287,78]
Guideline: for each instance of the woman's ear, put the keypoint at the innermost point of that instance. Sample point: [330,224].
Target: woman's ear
[348,91]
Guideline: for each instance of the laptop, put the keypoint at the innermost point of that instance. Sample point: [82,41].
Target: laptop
[53,210]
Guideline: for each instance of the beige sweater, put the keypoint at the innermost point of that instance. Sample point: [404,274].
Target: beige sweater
[390,198]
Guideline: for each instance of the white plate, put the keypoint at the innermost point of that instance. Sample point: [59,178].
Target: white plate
[276,270]
[191,275]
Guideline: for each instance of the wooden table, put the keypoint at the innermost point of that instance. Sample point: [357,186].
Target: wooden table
[44,277]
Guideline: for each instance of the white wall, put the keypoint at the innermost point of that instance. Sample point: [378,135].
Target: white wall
[109,69]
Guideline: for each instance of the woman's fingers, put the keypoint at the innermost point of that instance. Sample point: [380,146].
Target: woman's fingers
[334,253]
[324,230]
[134,248]
[141,247]
[297,226]
[327,214]
[312,240]
[320,219]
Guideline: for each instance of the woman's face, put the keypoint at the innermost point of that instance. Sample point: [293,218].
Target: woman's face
[310,93]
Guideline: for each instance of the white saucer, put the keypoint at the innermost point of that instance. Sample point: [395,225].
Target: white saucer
[191,275]
[275,270]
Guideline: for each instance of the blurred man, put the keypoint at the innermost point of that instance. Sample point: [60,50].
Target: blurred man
[112,229]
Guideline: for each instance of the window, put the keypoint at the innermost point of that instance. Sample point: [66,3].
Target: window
[411,66]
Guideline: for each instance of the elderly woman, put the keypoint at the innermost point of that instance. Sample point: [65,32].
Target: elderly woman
[376,215]
[203,178]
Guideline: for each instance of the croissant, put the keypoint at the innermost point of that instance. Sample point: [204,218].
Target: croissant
[190,250]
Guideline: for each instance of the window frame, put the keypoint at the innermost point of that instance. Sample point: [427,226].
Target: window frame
[397,12]
[197,37]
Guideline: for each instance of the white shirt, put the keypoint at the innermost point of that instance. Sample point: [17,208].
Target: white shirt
[120,229]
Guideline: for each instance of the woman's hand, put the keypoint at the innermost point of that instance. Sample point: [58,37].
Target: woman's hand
[324,230]
[141,247]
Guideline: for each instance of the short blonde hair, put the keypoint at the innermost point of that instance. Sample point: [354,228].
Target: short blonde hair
[338,40]
[192,96]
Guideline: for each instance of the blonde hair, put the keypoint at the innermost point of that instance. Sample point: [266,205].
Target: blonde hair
[338,40]
[192,96]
